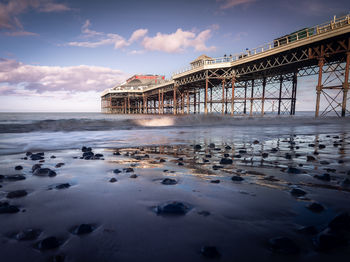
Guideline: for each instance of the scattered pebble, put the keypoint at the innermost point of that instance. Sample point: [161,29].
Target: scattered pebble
[17,194]
[59,165]
[133,176]
[49,243]
[315,207]
[113,179]
[283,245]
[44,172]
[298,192]
[63,186]
[169,181]
[82,229]
[237,178]
[216,181]
[324,177]
[28,234]
[18,167]
[173,208]
[226,161]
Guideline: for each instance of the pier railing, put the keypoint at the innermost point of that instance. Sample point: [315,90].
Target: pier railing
[302,34]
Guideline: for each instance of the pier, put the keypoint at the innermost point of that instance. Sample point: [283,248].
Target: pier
[255,82]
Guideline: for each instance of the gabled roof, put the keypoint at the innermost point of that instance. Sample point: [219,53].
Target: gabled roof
[202,57]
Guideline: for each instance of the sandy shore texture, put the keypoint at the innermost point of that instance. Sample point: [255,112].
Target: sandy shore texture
[279,199]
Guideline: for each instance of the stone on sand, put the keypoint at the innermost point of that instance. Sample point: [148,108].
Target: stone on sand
[16,194]
[172,208]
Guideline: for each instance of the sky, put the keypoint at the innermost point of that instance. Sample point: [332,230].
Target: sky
[58,56]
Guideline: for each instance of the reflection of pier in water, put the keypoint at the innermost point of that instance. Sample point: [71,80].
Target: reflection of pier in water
[258,81]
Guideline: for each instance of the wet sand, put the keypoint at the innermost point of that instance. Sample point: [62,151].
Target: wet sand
[234,200]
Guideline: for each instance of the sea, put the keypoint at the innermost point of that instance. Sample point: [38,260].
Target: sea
[22,132]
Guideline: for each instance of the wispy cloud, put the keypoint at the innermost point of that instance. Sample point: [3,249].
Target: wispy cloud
[170,43]
[226,4]
[11,10]
[97,39]
[16,76]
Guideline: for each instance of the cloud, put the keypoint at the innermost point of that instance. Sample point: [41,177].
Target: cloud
[178,41]
[102,39]
[136,35]
[170,43]
[10,11]
[16,77]
[226,4]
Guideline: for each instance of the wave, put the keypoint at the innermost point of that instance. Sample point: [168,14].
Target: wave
[144,122]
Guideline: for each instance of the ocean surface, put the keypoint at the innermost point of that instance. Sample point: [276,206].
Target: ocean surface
[21,132]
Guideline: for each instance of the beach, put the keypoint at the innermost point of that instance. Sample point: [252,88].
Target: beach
[94,187]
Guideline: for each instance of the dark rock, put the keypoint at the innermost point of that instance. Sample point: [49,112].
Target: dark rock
[308,230]
[288,156]
[14,177]
[340,222]
[226,161]
[88,155]
[321,146]
[44,172]
[210,252]
[311,145]
[293,170]
[242,151]
[332,170]
[197,147]
[180,159]
[18,167]
[264,155]
[173,208]
[298,192]
[162,160]
[315,207]
[36,166]
[237,178]
[205,160]
[216,167]
[310,158]
[228,147]
[37,156]
[274,150]
[6,208]
[116,153]
[328,240]
[86,149]
[180,164]
[237,156]
[63,186]
[116,171]
[204,213]
[128,170]
[324,177]
[98,155]
[255,142]
[316,153]
[169,181]
[83,229]
[133,176]
[217,149]
[53,157]
[28,153]
[283,245]
[59,165]
[208,156]
[25,158]
[226,155]
[271,179]
[16,194]
[28,234]
[217,181]
[324,162]
[212,145]
[112,180]
[49,243]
